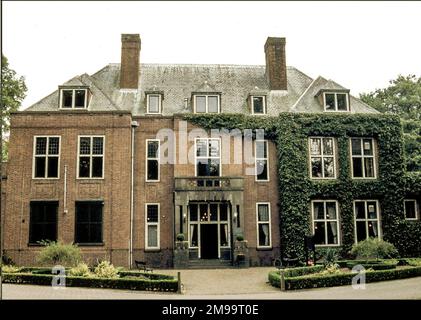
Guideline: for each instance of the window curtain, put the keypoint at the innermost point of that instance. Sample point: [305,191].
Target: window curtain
[265,229]
[152,236]
[263,213]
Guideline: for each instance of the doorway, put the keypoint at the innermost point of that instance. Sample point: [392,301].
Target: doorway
[209,241]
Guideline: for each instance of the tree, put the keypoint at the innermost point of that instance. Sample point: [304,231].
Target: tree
[402,97]
[13,91]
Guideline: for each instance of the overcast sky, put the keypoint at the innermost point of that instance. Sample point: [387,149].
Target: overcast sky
[360,45]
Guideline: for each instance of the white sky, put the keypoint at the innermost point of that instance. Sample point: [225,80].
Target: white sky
[360,45]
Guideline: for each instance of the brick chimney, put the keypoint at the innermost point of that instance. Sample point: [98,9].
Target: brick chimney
[129,69]
[276,68]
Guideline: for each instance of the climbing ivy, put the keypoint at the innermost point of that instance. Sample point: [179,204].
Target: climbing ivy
[290,132]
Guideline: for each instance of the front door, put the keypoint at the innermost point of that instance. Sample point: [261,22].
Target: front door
[209,241]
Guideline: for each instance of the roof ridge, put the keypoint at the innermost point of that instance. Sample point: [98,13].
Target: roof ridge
[215,65]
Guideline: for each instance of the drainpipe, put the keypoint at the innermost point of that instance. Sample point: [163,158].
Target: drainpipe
[135,124]
[65,190]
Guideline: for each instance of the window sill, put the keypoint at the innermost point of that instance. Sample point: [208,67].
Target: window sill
[153,250]
[35,245]
[264,248]
[99,244]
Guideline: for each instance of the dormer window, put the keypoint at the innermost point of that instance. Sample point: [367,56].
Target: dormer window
[206,103]
[336,101]
[73,98]
[153,103]
[258,104]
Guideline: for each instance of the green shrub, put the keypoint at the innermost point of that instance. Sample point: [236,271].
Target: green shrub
[151,276]
[81,270]
[180,237]
[10,269]
[274,276]
[57,253]
[331,268]
[240,237]
[106,270]
[329,256]
[374,248]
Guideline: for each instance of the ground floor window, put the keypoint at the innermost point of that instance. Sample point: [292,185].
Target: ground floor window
[367,221]
[43,221]
[263,225]
[152,226]
[411,209]
[325,222]
[88,222]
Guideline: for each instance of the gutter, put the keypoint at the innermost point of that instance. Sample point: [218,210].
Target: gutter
[134,124]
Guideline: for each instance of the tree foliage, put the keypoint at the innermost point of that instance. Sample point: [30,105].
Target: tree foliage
[13,91]
[402,97]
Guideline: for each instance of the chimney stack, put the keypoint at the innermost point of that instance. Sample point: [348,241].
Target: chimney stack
[129,69]
[276,68]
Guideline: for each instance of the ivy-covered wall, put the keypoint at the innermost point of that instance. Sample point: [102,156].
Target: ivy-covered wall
[290,132]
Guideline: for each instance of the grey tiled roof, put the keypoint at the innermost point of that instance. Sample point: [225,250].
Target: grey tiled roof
[177,82]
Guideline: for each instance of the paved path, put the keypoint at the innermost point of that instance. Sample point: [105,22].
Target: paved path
[225,284]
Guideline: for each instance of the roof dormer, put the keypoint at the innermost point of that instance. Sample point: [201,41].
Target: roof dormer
[74,97]
[334,100]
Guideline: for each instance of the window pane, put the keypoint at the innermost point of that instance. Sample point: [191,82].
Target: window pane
[361,231]
[39,167]
[319,233]
[82,212]
[41,145]
[214,167]
[342,103]
[80,98]
[203,210]
[372,210]
[200,104]
[223,232]
[315,146]
[214,148]
[84,167]
[67,98]
[85,145]
[153,147]
[356,147]
[95,233]
[82,234]
[153,236]
[369,167]
[52,167]
[373,230]
[153,103]
[329,168]
[213,212]
[97,145]
[368,147]
[360,210]
[213,104]
[193,212]
[331,210]
[357,167]
[53,145]
[328,146]
[410,209]
[316,167]
[223,212]
[332,233]
[43,221]
[263,212]
[330,101]
[264,234]
[152,213]
[202,168]
[261,149]
[201,148]
[262,169]
[258,105]
[318,210]
[193,235]
[97,163]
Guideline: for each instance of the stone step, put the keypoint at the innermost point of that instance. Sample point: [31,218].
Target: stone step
[209,264]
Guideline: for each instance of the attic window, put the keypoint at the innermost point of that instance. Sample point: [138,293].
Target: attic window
[258,104]
[76,98]
[153,103]
[334,101]
[206,104]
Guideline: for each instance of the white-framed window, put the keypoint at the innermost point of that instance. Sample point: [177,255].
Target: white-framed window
[73,98]
[264,235]
[367,219]
[262,160]
[336,101]
[204,103]
[208,157]
[258,104]
[152,160]
[322,157]
[363,158]
[411,209]
[152,223]
[90,160]
[153,103]
[46,158]
[325,217]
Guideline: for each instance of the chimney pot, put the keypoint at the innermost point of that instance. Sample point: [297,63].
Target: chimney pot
[129,68]
[276,69]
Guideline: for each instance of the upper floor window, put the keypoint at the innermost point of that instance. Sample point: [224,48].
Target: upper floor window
[411,209]
[258,104]
[334,101]
[153,103]
[206,104]
[46,157]
[363,158]
[152,160]
[73,98]
[262,160]
[91,157]
[322,158]
[208,157]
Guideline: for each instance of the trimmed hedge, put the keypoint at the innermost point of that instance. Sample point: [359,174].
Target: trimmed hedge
[342,279]
[168,285]
[275,277]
